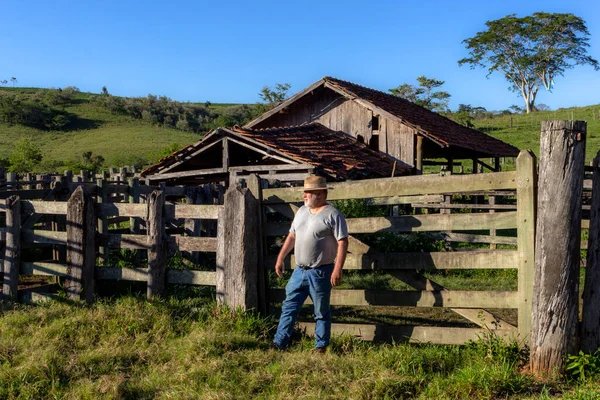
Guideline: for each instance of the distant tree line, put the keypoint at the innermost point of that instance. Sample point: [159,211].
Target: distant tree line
[188,117]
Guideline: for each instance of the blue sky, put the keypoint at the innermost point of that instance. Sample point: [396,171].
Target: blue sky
[226,51]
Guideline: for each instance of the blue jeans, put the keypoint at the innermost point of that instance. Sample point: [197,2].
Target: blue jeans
[315,283]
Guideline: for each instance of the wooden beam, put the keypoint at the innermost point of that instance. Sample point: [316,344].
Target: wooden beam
[184,174]
[284,167]
[225,146]
[12,251]
[417,223]
[478,259]
[408,333]
[419,155]
[415,298]
[403,186]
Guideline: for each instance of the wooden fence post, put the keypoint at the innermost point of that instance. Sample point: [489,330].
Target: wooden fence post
[134,197]
[12,251]
[254,184]
[554,332]
[157,245]
[193,195]
[102,197]
[526,213]
[590,321]
[81,250]
[237,250]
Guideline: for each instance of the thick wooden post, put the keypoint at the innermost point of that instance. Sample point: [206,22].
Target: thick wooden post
[237,250]
[157,245]
[590,321]
[81,250]
[254,184]
[12,252]
[554,332]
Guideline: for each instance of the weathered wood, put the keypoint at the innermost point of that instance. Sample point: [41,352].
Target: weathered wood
[590,319]
[44,268]
[554,332]
[12,251]
[469,238]
[193,227]
[448,206]
[81,251]
[384,201]
[417,223]
[180,277]
[134,198]
[419,155]
[479,259]
[526,214]
[415,298]
[171,211]
[44,207]
[254,184]
[183,174]
[102,198]
[237,251]
[408,333]
[157,253]
[402,186]
[262,168]
[476,315]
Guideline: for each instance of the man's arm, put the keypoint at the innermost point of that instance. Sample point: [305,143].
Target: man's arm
[288,245]
[340,258]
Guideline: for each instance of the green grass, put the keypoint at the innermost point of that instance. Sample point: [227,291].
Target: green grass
[525,130]
[132,349]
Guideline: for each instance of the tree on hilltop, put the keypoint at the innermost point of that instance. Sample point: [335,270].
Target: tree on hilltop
[531,51]
[424,94]
[272,96]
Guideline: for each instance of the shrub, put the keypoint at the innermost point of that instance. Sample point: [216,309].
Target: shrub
[26,156]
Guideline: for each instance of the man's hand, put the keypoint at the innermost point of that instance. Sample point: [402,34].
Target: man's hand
[336,277]
[279,268]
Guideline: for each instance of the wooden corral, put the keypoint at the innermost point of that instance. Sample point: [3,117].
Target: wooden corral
[400,190]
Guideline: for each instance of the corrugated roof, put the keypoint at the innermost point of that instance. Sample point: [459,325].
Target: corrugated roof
[429,123]
[336,153]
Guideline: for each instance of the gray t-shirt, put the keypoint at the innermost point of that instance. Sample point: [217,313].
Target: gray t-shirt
[317,235]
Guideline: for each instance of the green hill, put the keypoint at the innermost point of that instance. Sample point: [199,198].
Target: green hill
[118,137]
[523,130]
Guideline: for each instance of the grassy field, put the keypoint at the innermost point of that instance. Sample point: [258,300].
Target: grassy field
[524,130]
[190,348]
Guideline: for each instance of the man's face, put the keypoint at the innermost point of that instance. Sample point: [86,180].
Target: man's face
[311,199]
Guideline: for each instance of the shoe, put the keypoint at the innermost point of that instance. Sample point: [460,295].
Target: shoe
[276,347]
[320,350]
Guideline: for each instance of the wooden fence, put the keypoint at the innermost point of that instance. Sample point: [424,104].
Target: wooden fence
[151,231]
[471,305]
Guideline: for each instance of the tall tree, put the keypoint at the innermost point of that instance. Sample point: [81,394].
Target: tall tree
[424,94]
[531,51]
[271,97]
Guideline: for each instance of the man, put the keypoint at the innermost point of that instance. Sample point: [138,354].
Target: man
[319,236]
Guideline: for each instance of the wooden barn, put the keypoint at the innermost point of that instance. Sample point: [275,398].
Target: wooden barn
[284,154]
[408,133]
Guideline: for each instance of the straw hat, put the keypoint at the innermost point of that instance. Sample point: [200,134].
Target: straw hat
[314,182]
